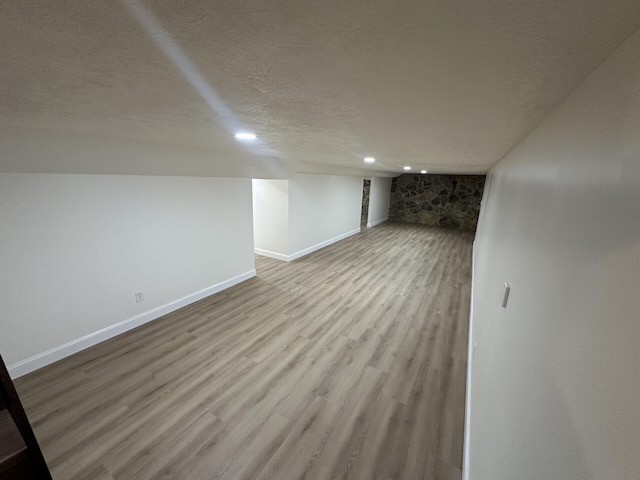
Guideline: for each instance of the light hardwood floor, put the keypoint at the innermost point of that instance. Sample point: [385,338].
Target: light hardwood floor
[347,363]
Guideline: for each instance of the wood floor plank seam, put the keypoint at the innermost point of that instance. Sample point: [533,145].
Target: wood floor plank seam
[347,363]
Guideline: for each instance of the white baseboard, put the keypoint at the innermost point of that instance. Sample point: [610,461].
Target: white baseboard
[306,251]
[269,253]
[320,245]
[42,359]
[467,402]
[377,222]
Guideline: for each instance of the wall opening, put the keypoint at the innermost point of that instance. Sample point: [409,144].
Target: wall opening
[366,189]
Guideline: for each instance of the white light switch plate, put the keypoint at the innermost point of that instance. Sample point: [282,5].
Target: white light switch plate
[505,298]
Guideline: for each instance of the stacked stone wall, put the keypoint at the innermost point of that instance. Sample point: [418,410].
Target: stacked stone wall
[438,200]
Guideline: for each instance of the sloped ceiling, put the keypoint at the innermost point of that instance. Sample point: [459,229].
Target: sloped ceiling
[160,87]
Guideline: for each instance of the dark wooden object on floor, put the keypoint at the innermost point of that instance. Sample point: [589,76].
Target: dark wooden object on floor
[20,455]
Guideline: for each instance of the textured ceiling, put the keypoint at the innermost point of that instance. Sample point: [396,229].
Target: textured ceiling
[160,86]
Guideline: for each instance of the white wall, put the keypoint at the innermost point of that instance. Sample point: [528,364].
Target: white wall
[295,217]
[75,248]
[322,210]
[555,383]
[271,217]
[379,196]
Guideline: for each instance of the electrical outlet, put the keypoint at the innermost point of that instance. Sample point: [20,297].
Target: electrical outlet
[139,296]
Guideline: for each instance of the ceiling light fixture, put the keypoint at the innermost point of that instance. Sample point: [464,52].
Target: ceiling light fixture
[245,136]
[369,159]
[423,171]
[407,168]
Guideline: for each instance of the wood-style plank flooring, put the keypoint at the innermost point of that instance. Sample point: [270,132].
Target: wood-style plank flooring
[347,363]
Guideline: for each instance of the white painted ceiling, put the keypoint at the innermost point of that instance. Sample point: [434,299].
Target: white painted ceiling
[159,87]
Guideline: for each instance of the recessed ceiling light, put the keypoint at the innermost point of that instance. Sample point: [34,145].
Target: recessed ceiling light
[245,136]
[369,159]
[407,168]
[423,171]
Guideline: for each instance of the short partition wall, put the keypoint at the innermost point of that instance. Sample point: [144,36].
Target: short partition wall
[322,209]
[295,217]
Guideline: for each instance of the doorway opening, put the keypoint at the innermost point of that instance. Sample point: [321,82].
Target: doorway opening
[366,189]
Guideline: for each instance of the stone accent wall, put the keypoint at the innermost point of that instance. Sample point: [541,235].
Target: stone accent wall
[366,189]
[439,200]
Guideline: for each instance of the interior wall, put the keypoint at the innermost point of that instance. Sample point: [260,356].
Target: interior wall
[75,248]
[322,209]
[437,200]
[271,217]
[379,201]
[554,381]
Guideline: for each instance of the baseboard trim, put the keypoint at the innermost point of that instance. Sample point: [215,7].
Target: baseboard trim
[326,243]
[377,222]
[42,359]
[269,253]
[306,251]
[467,400]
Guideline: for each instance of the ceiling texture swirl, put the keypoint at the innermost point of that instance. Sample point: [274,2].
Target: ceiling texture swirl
[161,87]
